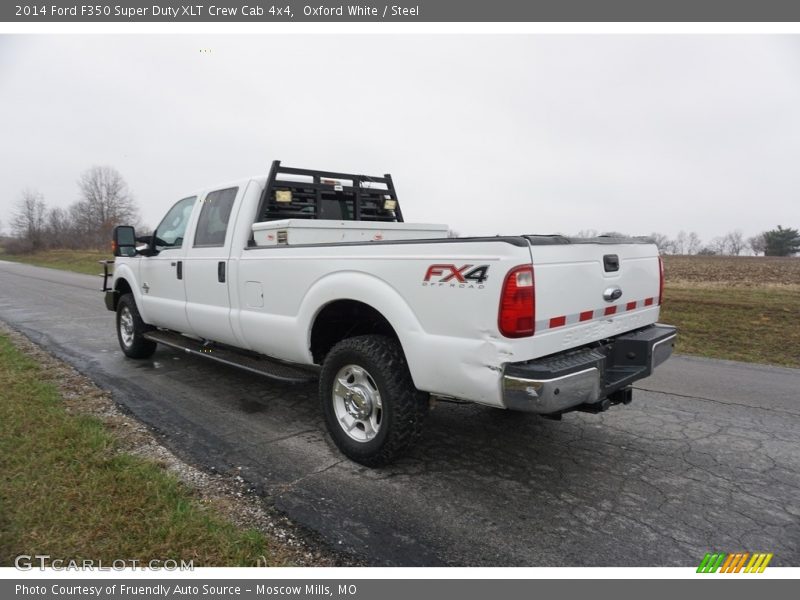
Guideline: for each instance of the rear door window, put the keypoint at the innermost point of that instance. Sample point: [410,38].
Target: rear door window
[212,226]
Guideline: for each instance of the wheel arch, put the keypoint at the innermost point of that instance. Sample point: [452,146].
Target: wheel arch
[121,287]
[345,318]
[125,283]
[370,303]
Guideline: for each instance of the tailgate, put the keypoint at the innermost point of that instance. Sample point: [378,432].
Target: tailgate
[592,289]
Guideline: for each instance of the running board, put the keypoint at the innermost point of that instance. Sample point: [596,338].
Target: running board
[255,363]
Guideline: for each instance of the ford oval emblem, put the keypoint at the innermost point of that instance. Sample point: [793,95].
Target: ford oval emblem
[612,293]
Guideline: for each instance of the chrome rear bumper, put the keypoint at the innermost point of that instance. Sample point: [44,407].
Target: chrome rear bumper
[586,378]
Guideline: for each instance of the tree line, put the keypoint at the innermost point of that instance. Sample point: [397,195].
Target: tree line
[775,242]
[104,201]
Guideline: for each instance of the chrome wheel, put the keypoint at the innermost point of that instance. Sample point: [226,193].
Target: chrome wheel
[126,327]
[369,402]
[131,330]
[357,403]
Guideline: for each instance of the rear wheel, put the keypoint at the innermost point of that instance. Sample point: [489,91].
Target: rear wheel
[371,407]
[131,329]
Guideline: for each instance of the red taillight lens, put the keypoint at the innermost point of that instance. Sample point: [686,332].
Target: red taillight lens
[660,280]
[517,303]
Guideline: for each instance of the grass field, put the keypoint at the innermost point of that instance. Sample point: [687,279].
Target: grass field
[68,490]
[80,261]
[737,308]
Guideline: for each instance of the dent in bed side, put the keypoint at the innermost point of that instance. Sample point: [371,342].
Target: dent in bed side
[449,365]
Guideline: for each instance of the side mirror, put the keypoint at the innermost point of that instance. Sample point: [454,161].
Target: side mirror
[149,248]
[124,241]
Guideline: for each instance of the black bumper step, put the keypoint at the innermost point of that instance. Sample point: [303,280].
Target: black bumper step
[620,361]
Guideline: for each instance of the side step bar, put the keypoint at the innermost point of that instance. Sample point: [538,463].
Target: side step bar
[261,365]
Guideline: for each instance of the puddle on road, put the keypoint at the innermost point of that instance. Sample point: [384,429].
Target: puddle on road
[251,406]
[155,365]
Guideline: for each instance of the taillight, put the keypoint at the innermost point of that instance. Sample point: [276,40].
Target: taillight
[517,303]
[660,280]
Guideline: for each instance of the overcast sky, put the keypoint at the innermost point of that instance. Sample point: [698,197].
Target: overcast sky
[491,134]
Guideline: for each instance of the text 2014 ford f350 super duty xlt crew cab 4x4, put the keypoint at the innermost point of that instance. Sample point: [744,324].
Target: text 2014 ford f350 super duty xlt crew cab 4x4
[308,273]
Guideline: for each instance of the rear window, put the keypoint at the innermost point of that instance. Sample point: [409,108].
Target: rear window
[212,226]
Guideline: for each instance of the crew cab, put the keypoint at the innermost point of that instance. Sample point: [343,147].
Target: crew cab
[306,274]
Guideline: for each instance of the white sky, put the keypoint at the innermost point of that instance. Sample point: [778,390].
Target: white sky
[491,134]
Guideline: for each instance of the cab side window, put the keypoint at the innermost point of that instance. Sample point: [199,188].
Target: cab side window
[170,232]
[213,222]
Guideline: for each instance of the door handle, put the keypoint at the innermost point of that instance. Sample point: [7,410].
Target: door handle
[221,271]
[179,271]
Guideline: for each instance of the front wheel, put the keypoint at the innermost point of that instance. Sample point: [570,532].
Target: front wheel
[371,407]
[131,329]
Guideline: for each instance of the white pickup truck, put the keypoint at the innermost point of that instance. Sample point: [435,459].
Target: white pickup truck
[307,273]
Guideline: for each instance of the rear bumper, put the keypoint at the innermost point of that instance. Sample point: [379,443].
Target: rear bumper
[587,378]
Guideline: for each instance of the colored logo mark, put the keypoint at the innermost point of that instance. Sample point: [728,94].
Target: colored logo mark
[734,563]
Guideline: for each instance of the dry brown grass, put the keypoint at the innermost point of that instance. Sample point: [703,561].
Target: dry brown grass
[739,271]
[739,308]
[80,261]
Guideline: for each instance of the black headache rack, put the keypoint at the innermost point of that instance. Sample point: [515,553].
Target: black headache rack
[292,193]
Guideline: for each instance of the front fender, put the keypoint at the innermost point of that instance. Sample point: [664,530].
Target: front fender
[123,271]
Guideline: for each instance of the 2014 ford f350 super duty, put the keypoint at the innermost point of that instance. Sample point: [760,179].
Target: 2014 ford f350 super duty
[308,273]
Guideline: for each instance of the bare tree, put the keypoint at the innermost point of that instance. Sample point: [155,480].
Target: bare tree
[720,245]
[684,243]
[730,244]
[81,223]
[105,202]
[452,233]
[757,244]
[29,218]
[59,229]
[735,243]
[665,245]
[693,243]
[586,233]
[680,243]
[659,239]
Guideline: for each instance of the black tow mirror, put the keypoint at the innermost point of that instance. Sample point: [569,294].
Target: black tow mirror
[124,241]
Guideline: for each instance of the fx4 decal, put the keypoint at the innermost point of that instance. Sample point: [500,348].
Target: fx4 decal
[455,276]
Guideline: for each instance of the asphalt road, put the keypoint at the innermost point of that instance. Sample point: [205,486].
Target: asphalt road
[705,459]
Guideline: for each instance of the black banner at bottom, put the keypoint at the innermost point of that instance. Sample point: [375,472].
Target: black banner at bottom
[388,589]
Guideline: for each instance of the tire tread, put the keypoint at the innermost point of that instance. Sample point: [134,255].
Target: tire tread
[409,406]
[141,347]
